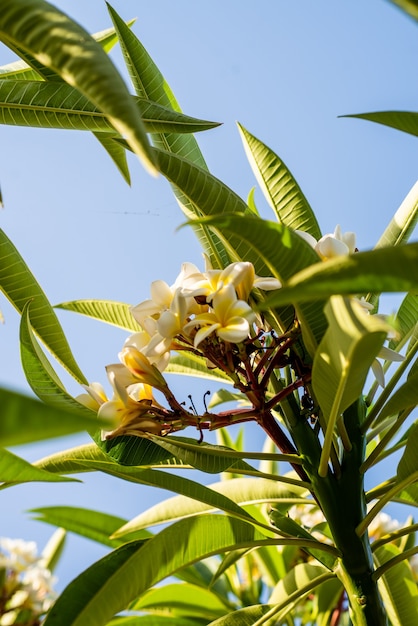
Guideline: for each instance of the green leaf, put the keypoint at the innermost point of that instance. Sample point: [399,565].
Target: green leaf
[67,49]
[274,250]
[25,420]
[342,362]
[408,464]
[41,104]
[41,376]
[398,588]
[189,364]
[279,187]
[203,456]
[154,620]
[409,6]
[405,121]
[406,319]
[91,524]
[20,70]
[52,552]
[297,584]
[131,450]
[182,600]
[408,467]
[224,395]
[381,270]
[242,491]
[403,223]
[110,584]
[116,152]
[89,459]
[150,83]
[114,313]
[210,195]
[405,397]
[248,616]
[14,470]
[290,527]
[19,286]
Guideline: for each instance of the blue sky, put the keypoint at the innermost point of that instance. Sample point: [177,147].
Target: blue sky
[286,71]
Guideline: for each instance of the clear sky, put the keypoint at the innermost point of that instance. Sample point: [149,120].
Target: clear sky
[286,71]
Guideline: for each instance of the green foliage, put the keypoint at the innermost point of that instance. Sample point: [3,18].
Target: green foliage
[67,49]
[283,536]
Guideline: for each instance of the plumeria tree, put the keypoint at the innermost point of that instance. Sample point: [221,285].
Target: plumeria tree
[285,319]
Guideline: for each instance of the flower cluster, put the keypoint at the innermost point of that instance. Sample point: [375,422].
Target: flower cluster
[26,585]
[209,314]
[206,313]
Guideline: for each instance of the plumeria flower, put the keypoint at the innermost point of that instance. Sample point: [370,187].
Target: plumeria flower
[140,367]
[142,341]
[21,554]
[333,244]
[382,525]
[229,318]
[27,585]
[240,275]
[336,244]
[168,326]
[161,295]
[128,410]
[94,397]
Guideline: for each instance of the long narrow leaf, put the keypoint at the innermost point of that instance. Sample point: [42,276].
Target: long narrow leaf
[110,584]
[14,470]
[342,362]
[66,48]
[44,104]
[383,270]
[87,523]
[114,313]
[405,121]
[409,6]
[40,374]
[19,286]
[92,460]
[403,223]
[406,319]
[150,83]
[21,70]
[241,490]
[116,152]
[25,420]
[279,187]
[405,397]
[196,366]
[398,588]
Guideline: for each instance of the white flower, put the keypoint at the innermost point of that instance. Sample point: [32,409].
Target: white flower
[382,525]
[333,244]
[128,410]
[240,275]
[229,318]
[21,553]
[27,584]
[161,295]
